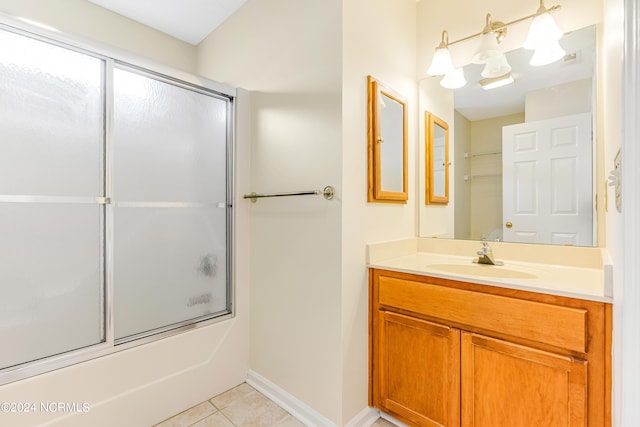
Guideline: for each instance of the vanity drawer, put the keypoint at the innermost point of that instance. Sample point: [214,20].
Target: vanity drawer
[555,325]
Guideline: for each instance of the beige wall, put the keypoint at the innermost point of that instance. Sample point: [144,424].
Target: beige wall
[462,128]
[485,176]
[561,100]
[379,40]
[142,385]
[288,53]
[436,220]
[309,281]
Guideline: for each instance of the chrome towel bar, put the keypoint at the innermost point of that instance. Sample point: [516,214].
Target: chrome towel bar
[327,192]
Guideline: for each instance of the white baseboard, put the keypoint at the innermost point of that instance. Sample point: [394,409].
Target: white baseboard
[364,418]
[300,410]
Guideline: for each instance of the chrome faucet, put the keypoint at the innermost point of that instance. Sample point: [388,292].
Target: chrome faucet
[485,255]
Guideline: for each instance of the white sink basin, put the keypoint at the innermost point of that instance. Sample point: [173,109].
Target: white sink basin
[482,270]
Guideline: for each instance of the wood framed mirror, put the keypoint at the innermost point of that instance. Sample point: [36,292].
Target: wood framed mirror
[387,141]
[437,160]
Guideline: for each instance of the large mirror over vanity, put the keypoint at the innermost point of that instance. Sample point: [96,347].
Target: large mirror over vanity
[522,155]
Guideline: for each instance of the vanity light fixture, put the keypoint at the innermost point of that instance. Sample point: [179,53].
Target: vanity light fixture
[454,79]
[495,82]
[543,38]
[492,34]
[543,29]
[441,63]
[496,67]
[547,54]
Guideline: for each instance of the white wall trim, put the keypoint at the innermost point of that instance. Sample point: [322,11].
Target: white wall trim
[300,410]
[364,418]
[630,377]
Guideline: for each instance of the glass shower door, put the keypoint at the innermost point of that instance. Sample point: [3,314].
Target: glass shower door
[170,204]
[51,199]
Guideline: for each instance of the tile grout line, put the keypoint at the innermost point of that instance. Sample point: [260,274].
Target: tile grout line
[227,418]
[220,410]
[217,410]
[287,414]
[187,410]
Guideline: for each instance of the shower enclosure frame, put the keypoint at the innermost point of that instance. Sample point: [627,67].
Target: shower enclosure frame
[114,58]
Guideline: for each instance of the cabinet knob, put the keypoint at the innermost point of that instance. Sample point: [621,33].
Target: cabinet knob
[509,224]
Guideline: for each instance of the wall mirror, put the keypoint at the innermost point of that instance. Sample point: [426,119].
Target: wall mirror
[437,160]
[387,141]
[481,203]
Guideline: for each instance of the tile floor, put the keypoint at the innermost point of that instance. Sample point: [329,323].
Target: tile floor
[242,406]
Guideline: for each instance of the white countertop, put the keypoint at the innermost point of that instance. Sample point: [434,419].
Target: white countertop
[584,280]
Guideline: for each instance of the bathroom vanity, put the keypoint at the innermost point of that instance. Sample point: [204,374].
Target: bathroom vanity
[495,346]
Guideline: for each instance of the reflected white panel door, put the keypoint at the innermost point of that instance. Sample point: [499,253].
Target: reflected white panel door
[392,148]
[439,162]
[547,181]
[51,225]
[170,204]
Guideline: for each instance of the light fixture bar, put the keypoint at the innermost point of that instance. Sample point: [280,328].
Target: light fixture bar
[533,15]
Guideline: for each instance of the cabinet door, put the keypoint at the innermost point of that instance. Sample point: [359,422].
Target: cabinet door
[505,384]
[419,370]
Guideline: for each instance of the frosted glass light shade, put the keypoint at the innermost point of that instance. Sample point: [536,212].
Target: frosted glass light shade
[454,79]
[496,67]
[542,31]
[546,54]
[487,50]
[441,63]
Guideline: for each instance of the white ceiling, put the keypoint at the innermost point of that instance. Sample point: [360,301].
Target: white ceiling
[187,20]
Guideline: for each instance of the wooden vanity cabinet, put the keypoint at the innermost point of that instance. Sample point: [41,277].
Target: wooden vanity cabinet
[507,384]
[419,375]
[449,353]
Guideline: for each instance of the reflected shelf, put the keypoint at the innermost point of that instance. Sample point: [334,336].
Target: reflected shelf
[481,153]
[481,175]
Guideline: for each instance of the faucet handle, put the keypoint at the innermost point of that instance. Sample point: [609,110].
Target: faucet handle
[485,255]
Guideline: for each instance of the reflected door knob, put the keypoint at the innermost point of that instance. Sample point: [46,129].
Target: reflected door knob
[508,224]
